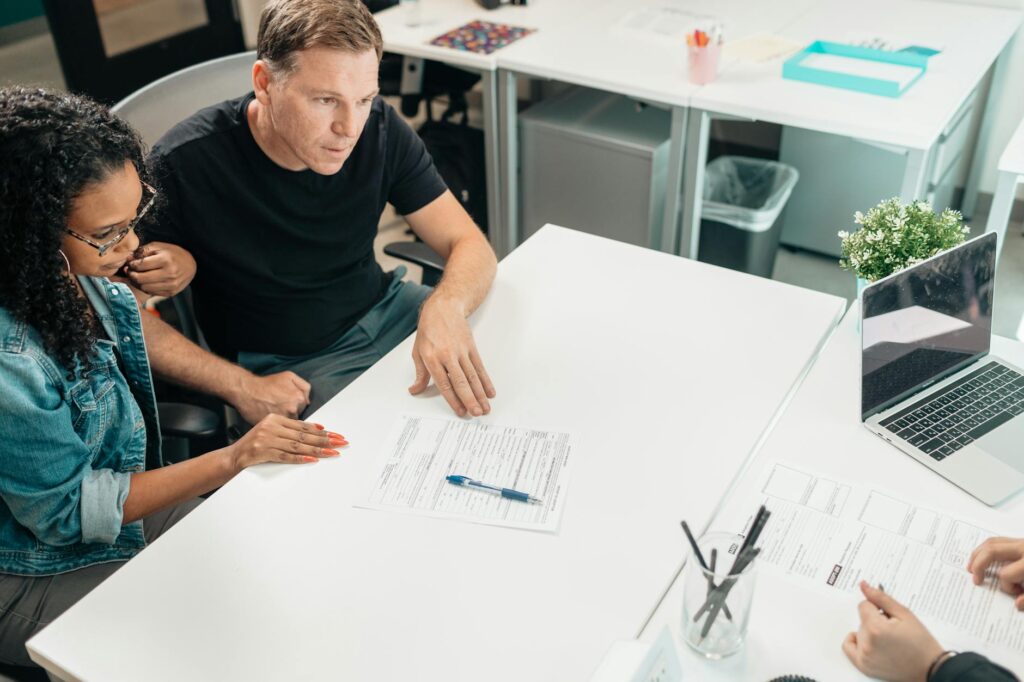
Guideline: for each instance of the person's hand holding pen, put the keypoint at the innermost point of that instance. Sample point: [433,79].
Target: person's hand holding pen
[891,643]
[1010,575]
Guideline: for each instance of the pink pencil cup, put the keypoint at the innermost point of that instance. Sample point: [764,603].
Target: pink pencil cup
[703,63]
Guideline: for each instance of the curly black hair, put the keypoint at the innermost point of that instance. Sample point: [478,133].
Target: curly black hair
[53,145]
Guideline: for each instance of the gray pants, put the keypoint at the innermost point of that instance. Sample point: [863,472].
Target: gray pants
[28,604]
[385,326]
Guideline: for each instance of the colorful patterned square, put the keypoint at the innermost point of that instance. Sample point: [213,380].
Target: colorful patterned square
[481,36]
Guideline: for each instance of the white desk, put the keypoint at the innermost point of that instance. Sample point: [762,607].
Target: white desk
[1011,172]
[791,630]
[579,42]
[670,370]
[915,121]
[583,44]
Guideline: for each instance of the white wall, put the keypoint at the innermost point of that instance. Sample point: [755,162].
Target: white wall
[1008,103]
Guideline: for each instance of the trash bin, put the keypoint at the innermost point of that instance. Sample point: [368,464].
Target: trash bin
[743,199]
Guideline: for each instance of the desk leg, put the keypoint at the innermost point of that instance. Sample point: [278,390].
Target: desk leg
[492,164]
[995,92]
[693,188]
[1002,204]
[914,175]
[673,183]
[508,150]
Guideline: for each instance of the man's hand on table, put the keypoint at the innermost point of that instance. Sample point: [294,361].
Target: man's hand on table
[284,393]
[1010,551]
[446,352]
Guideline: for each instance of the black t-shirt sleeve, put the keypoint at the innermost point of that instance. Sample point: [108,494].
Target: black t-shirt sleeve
[971,667]
[165,224]
[414,180]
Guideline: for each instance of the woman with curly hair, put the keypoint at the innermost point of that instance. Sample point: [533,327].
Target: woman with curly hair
[78,417]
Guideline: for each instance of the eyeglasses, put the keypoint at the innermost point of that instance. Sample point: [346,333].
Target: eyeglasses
[148,198]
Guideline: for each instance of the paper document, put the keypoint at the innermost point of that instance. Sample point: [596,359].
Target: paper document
[835,534]
[889,43]
[422,452]
[761,48]
[662,21]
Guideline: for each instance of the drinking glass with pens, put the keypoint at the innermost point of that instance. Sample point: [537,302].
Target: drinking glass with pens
[703,48]
[718,588]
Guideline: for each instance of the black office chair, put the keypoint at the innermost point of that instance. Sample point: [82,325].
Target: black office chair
[191,423]
[419,253]
[20,673]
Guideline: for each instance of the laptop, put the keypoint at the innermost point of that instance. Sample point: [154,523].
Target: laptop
[928,383]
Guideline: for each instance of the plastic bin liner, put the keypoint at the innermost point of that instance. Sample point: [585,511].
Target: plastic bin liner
[748,194]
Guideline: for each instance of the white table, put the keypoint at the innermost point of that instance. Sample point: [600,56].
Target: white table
[579,42]
[1011,172]
[794,630]
[913,122]
[582,43]
[669,370]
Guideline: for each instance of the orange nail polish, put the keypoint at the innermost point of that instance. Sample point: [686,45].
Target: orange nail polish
[328,451]
[309,459]
[319,426]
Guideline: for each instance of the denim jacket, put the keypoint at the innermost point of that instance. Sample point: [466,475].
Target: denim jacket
[68,447]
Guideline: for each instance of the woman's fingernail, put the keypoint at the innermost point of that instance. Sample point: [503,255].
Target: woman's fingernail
[334,440]
[319,426]
[329,452]
[332,434]
[309,459]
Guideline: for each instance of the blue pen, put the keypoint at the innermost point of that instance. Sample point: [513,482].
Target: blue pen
[504,492]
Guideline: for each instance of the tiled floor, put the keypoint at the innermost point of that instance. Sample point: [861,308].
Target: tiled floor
[34,61]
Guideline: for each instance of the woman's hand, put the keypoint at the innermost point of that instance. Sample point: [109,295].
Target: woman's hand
[891,644]
[280,439]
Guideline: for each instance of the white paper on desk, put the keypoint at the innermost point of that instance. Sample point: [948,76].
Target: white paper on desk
[423,451]
[865,68]
[761,48]
[833,535]
[662,21]
[889,43]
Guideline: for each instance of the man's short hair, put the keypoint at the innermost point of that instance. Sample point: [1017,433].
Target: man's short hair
[288,26]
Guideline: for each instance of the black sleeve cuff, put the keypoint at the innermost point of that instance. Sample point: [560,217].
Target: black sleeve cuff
[971,667]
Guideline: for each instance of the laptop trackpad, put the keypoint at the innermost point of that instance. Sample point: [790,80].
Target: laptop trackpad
[1006,443]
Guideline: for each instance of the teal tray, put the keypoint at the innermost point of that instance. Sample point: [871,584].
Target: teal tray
[794,69]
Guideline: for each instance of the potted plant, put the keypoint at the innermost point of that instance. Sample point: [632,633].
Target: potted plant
[894,236]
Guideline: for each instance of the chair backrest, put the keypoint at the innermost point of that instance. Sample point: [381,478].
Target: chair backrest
[156,108]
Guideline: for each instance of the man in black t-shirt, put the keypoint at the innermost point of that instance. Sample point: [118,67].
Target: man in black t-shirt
[277,196]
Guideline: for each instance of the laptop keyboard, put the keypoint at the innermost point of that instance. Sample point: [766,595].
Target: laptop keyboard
[963,412]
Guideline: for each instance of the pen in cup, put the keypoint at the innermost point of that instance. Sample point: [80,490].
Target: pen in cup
[700,559]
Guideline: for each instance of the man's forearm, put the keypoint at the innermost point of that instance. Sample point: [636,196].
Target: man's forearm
[178,360]
[468,273]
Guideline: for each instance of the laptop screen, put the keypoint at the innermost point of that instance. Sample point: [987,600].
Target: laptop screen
[926,322]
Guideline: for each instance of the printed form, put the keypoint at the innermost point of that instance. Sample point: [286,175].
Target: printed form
[836,534]
[423,451]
